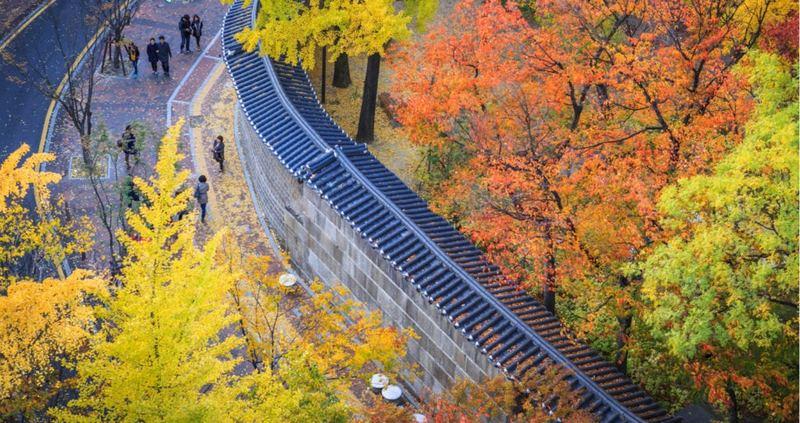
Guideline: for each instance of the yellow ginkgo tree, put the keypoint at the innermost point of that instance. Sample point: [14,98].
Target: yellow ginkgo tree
[306,348]
[44,326]
[163,354]
[33,242]
[294,31]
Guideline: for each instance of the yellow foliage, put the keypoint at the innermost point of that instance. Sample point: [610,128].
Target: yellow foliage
[306,349]
[366,27]
[291,31]
[770,11]
[42,326]
[49,237]
[17,176]
[164,357]
[338,335]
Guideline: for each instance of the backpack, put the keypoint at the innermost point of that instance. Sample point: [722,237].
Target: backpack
[130,143]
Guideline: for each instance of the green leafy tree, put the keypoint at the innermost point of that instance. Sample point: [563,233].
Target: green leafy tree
[723,291]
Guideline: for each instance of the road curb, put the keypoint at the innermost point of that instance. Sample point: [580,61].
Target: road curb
[27,20]
[52,114]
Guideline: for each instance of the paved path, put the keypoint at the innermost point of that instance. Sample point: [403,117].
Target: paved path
[119,101]
[22,107]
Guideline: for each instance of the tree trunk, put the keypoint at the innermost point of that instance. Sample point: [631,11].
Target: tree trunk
[86,153]
[622,341]
[117,54]
[324,74]
[733,409]
[341,72]
[366,120]
[625,320]
[106,55]
[549,288]
[324,64]
[89,116]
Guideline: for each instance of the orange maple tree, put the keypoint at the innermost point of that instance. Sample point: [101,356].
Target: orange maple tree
[553,132]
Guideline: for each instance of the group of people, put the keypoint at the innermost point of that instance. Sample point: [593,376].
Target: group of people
[128,145]
[160,52]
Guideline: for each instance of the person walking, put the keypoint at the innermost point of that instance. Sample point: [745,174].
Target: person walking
[201,194]
[197,29]
[218,151]
[133,55]
[164,54]
[185,26]
[152,55]
[127,144]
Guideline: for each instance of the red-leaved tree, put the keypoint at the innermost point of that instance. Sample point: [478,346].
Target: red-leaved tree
[550,135]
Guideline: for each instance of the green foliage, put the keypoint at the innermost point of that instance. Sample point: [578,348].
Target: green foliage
[423,11]
[723,291]
[439,164]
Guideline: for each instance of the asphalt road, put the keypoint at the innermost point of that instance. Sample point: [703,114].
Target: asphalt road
[22,106]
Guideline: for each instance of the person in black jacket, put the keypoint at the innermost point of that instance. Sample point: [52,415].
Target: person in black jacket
[164,54]
[152,54]
[218,152]
[185,26]
[127,144]
[197,29]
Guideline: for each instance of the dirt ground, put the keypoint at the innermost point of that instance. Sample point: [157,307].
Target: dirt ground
[13,11]
[391,145]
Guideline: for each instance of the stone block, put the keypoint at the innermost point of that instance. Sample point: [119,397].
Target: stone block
[337,253]
[372,288]
[324,245]
[359,276]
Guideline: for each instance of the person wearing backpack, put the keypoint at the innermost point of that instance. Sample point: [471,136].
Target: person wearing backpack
[127,144]
[133,55]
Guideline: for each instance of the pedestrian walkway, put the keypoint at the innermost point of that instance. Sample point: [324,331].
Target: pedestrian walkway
[230,203]
[150,99]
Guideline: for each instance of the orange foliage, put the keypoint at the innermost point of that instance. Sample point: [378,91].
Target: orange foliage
[540,398]
[572,121]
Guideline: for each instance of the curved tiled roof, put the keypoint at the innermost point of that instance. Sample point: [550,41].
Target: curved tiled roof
[515,331]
